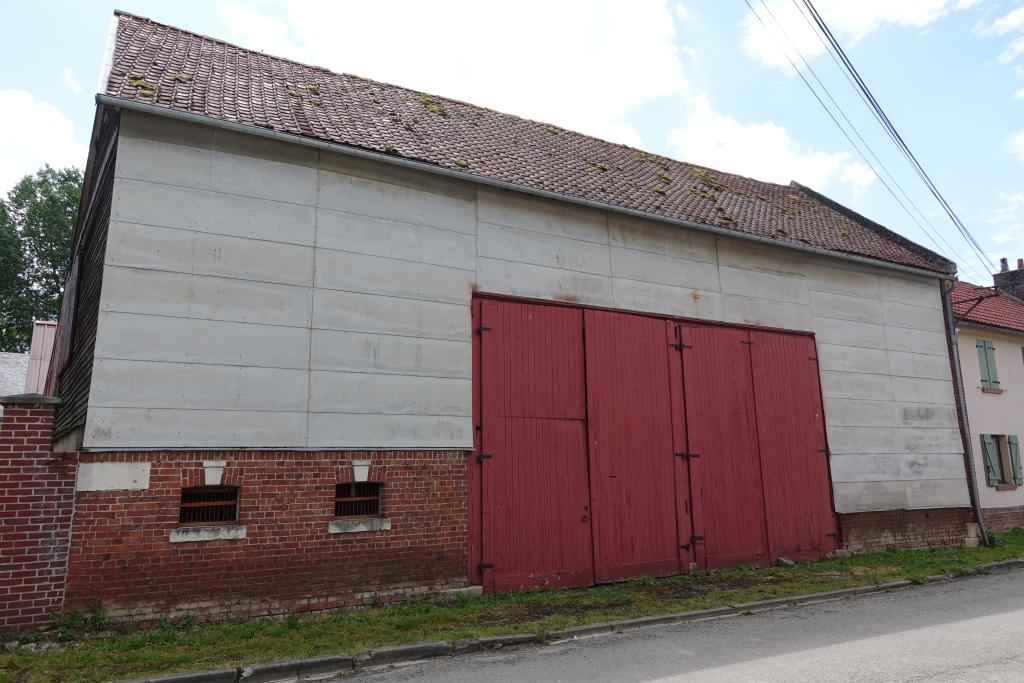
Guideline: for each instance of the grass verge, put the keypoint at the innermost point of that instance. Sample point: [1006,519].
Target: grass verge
[170,647]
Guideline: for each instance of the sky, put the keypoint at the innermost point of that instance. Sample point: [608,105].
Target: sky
[703,81]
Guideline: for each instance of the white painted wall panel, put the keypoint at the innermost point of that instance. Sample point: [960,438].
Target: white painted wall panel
[659,238]
[358,392]
[397,203]
[133,428]
[130,336]
[340,430]
[148,384]
[645,266]
[374,275]
[655,298]
[356,312]
[213,212]
[522,279]
[379,237]
[540,215]
[386,354]
[526,246]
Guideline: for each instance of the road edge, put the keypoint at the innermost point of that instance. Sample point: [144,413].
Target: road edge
[314,668]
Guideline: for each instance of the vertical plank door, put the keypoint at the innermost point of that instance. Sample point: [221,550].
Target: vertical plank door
[721,426]
[535,500]
[632,460]
[794,456]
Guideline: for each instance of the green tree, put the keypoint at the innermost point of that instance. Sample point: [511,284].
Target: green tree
[37,221]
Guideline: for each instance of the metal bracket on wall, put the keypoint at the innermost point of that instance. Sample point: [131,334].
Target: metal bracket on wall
[482,329]
[687,456]
[680,346]
[694,539]
[483,456]
[484,565]
[748,343]
[685,546]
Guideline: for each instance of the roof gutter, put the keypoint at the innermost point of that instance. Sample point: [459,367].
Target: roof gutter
[967,322]
[348,150]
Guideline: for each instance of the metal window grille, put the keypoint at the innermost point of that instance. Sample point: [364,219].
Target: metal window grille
[357,499]
[208,505]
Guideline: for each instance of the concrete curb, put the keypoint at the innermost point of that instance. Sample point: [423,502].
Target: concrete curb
[316,667]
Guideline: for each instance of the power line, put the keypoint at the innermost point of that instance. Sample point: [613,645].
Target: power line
[853,128]
[850,80]
[896,137]
[843,130]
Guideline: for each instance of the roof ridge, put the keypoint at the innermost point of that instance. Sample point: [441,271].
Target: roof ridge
[221,41]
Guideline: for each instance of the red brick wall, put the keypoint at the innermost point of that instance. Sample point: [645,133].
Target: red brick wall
[870,531]
[121,555]
[1004,519]
[36,505]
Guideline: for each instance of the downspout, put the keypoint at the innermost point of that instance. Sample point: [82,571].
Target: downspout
[961,399]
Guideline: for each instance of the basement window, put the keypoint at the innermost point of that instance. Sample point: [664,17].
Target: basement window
[209,505]
[357,499]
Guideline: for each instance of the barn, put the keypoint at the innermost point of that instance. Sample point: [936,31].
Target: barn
[327,341]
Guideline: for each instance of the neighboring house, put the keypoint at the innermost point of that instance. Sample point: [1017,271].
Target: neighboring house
[327,341]
[13,370]
[991,343]
[43,332]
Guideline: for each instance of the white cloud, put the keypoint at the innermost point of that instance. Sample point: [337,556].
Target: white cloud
[681,11]
[761,150]
[1019,95]
[70,82]
[525,60]
[44,136]
[850,21]
[1007,23]
[1015,143]
[1012,51]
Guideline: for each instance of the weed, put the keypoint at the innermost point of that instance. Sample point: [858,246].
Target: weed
[433,106]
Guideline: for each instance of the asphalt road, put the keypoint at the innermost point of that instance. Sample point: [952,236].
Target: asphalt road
[969,630]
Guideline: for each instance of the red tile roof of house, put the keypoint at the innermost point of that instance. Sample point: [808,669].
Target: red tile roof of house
[982,305]
[169,67]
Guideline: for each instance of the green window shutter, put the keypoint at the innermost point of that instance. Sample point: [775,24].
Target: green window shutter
[990,457]
[1018,476]
[990,354]
[981,345]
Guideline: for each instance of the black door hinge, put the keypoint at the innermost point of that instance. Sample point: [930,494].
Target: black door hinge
[685,546]
[832,534]
[687,456]
[814,358]
[694,539]
[823,451]
[484,565]
[679,346]
[483,456]
[482,329]
[748,343]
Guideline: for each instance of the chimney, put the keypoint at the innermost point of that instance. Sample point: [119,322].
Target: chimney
[1010,281]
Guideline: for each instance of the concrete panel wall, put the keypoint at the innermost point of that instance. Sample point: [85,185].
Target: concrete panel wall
[342,290]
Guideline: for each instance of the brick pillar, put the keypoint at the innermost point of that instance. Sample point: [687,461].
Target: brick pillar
[37,493]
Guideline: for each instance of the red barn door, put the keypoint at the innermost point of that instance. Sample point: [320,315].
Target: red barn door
[636,482]
[536,507]
[725,468]
[794,457]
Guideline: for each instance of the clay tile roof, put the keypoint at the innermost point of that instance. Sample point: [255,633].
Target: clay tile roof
[973,303]
[169,67]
